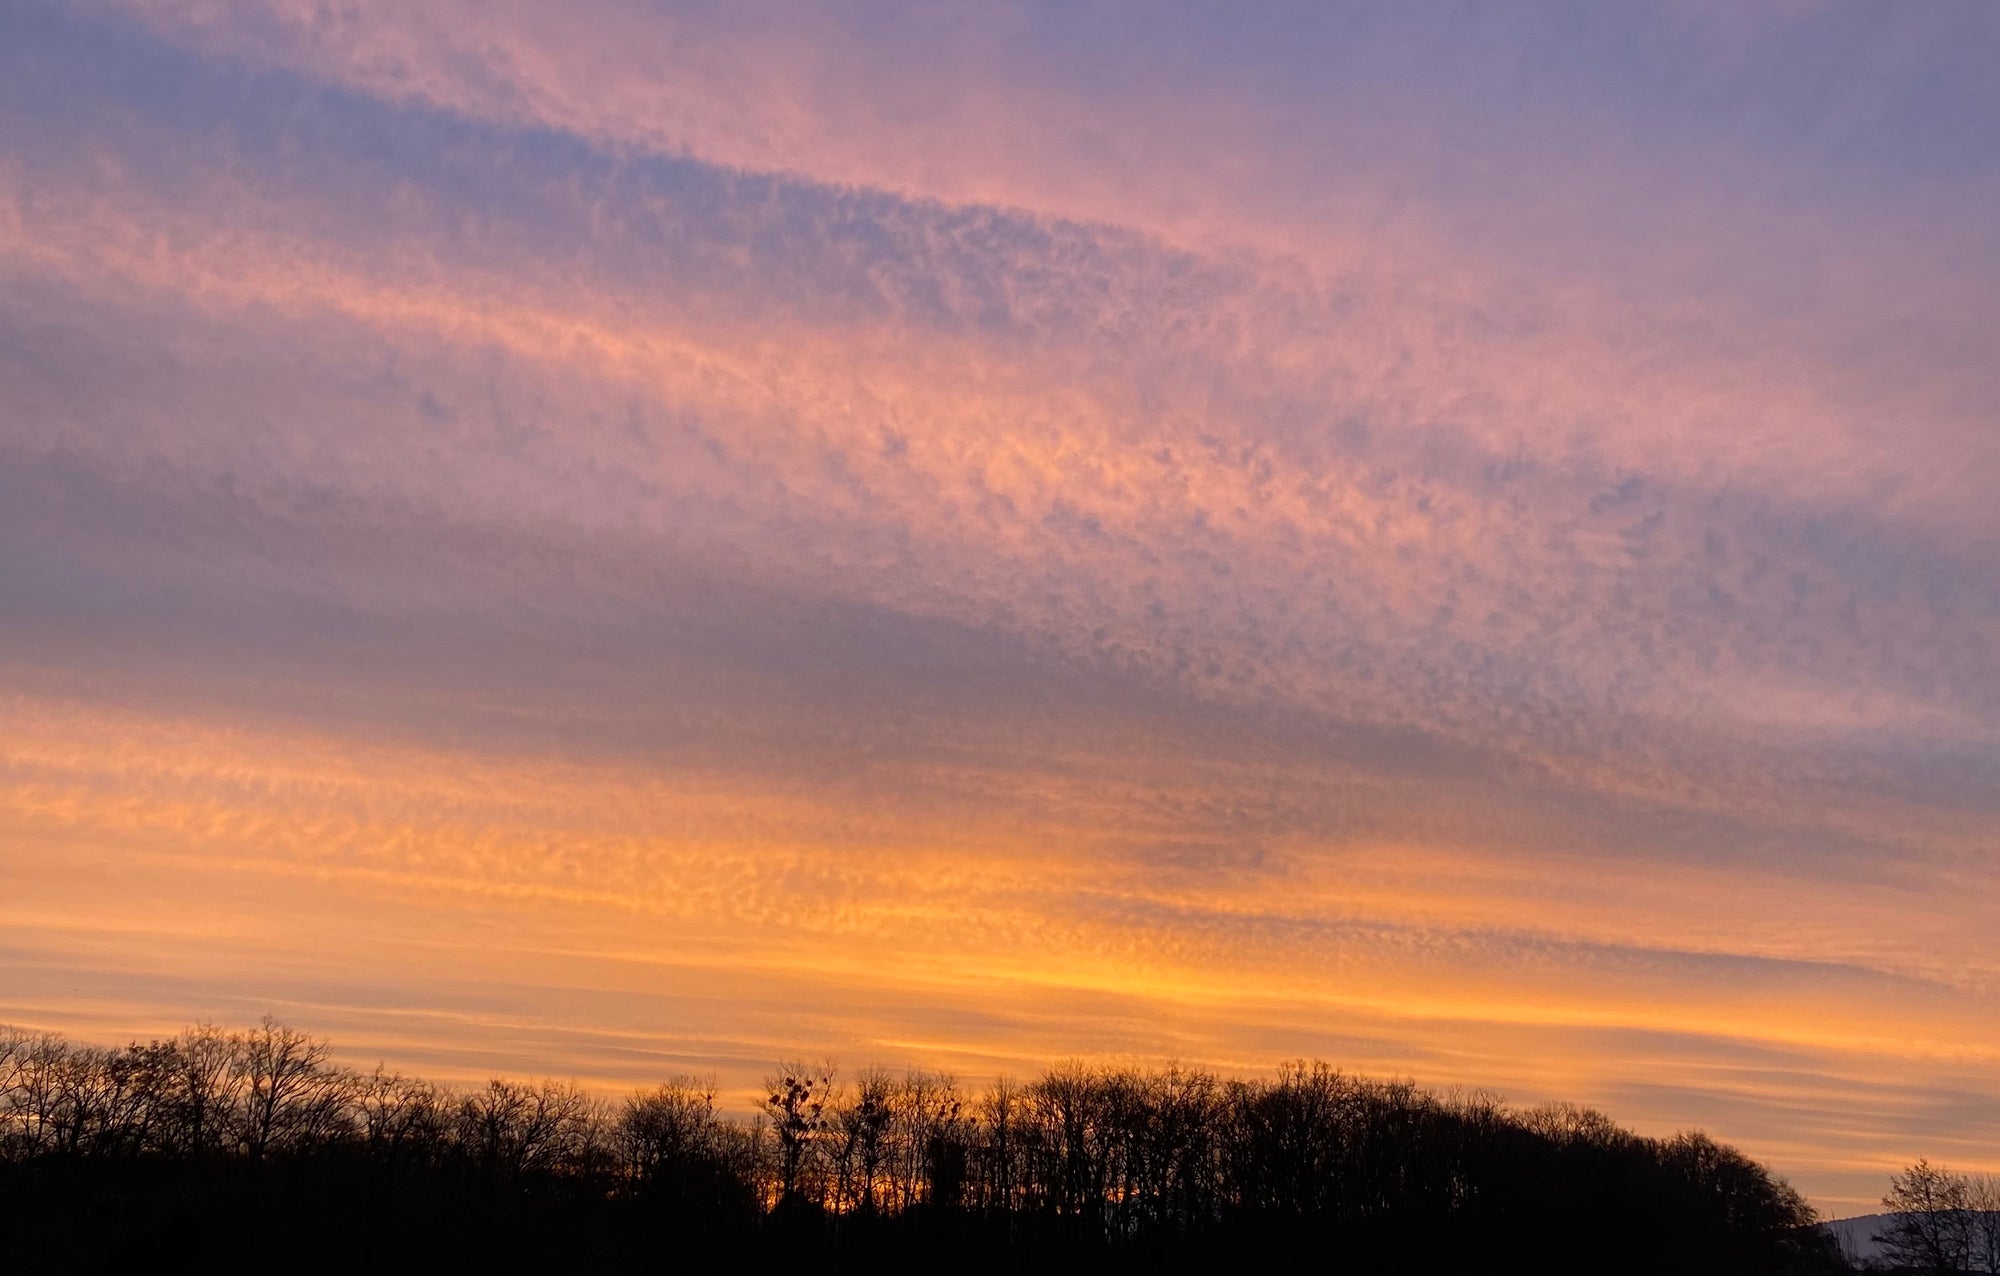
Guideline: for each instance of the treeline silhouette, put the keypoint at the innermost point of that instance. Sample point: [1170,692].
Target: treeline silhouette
[216,1144]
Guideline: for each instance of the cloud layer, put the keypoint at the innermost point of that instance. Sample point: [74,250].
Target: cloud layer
[584,546]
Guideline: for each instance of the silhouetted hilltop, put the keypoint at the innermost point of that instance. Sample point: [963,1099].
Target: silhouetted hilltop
[214,1145]
[1857,1237]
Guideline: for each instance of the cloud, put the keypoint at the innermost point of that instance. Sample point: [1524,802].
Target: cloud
[699,531]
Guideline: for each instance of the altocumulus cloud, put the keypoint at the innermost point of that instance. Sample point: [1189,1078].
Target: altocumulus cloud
[610,567]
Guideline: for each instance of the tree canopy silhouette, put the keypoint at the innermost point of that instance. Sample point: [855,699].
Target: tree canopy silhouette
[199,1144]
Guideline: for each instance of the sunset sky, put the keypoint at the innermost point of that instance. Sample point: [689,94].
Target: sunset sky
[615,538]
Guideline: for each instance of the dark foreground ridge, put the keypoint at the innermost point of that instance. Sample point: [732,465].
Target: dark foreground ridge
[216,1148]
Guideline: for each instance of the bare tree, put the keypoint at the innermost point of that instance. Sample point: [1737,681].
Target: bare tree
[403,1121]
[108,1099]
[14,1044]
[13,1050]
[668,1127]
[203,1088]
[998,1117]
[795,1099]
[514,1128]
[291,1091]
[1983,1198]
[40,1097]
[1931,1224]
[930,1134]
[862,1126]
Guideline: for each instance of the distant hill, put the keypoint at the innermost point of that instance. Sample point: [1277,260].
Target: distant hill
[1856,1236]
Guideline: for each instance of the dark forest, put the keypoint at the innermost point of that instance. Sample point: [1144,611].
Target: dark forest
[215,1144]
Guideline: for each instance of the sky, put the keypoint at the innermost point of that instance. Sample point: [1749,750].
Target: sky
[616,539]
